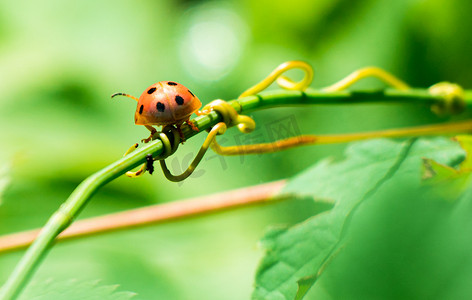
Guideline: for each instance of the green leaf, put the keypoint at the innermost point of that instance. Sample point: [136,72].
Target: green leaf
[73,290]
[448,181]
[466,143]
[404,243]
[306,249]
[304,285]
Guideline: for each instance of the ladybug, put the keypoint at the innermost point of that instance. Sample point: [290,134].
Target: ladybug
[165,103]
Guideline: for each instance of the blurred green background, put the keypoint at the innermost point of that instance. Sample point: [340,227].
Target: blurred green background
[60,61]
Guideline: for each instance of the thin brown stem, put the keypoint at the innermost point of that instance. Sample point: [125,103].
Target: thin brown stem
[254,195]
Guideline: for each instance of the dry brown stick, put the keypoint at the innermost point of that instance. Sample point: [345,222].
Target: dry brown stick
[258,194]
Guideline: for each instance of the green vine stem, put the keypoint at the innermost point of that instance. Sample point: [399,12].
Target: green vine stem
[79,198]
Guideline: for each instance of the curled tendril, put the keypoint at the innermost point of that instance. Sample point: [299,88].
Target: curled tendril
[219,128]
[283,81]
[230,116]
[452,98]
[367,72]
[169,149]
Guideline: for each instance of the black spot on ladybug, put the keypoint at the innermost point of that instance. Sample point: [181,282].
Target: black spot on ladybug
[160,106]
[171,83]
[191,93]
[141,109]
[151,90]
[179,100]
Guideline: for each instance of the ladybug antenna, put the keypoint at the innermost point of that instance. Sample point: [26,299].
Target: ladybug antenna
[123,94]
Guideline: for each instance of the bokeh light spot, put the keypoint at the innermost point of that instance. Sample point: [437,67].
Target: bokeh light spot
[212,41]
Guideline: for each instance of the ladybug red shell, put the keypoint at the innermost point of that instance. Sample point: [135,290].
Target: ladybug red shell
[165,103]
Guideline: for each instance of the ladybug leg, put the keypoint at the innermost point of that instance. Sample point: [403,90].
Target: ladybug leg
[143,168]
[181,134]
[138,173]
[131,149]
[152,130]
[149,163]
[192,125]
